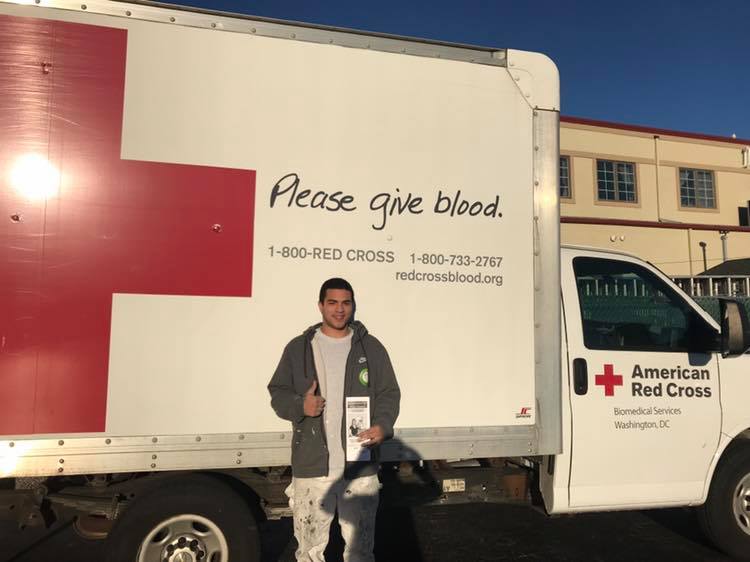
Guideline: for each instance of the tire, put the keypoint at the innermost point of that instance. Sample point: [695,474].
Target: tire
[725,517]
[210,517]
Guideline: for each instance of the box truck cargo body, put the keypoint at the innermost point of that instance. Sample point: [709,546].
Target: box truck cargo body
[176,185]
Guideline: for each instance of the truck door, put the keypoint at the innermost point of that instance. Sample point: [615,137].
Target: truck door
[644,386]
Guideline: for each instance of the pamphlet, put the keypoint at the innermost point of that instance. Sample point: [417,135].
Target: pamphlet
[357,419]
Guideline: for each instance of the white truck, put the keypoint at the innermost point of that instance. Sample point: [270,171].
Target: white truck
[174,187]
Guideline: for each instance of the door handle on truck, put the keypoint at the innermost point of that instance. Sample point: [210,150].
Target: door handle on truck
[580,376]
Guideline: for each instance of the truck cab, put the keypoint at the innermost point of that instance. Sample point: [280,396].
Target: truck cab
[653,407]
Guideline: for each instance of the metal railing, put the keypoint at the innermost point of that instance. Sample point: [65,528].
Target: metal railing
[714,285]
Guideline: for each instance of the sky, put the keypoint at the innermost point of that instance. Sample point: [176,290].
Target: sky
[682,65]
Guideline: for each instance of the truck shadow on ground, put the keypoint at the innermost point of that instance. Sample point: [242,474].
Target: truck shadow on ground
[682,522]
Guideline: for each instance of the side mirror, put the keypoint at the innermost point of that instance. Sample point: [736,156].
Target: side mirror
[735,328]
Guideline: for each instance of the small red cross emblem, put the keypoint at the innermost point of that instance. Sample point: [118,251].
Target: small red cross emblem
[609,380]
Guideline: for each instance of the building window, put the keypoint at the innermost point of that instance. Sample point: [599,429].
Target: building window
[697,188]
[615,181]
[565,177]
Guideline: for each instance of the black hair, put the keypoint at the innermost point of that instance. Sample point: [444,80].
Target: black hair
[335,283]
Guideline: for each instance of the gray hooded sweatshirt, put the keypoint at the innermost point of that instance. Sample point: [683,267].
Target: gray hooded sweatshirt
[368,373]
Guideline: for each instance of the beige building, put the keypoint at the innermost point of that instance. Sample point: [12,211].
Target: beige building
[662,195]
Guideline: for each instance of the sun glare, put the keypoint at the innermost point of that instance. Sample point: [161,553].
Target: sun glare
[34,177]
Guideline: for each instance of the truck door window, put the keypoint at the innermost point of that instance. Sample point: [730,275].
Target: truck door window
[626,307]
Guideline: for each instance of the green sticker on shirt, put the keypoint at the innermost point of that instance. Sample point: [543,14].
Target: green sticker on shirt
[364,377]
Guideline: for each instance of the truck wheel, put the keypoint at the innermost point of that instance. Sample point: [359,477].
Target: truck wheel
[725,517]
[193,518]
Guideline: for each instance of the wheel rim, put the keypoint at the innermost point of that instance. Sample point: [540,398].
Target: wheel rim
[184,538]
[741,504]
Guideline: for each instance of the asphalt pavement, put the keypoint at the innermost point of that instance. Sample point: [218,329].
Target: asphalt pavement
[461,533]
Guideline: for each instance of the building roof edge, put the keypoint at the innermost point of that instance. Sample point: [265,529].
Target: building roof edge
[650,130]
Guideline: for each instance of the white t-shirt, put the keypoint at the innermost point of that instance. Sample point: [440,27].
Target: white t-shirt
[330,362]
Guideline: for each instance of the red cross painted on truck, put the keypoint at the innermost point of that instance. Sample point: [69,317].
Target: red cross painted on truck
[112,225]
[609,380]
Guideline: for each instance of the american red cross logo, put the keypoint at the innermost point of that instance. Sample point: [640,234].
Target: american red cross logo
[609,380]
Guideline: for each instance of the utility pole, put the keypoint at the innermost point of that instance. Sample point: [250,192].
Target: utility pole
[724,248]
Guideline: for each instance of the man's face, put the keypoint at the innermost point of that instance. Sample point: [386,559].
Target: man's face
[336,309]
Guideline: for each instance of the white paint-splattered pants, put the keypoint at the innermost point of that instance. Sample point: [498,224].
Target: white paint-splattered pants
[314,501]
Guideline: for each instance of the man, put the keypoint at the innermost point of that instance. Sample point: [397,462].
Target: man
[330,361]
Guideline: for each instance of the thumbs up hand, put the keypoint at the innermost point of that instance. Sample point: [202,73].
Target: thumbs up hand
[312,389]
[313,405]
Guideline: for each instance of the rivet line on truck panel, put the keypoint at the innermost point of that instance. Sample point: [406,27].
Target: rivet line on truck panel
[61,442]
[230,24]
